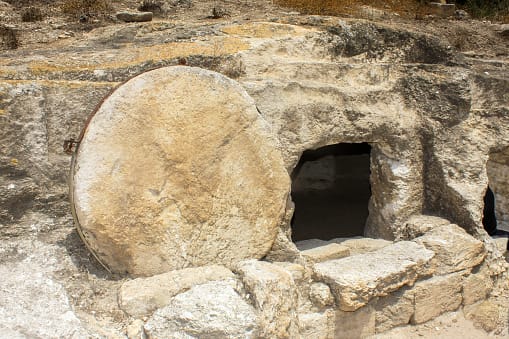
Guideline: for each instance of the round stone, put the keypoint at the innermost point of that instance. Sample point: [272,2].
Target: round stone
[178,169]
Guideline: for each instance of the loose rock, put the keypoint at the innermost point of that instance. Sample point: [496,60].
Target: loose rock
[135,16]
[212,310]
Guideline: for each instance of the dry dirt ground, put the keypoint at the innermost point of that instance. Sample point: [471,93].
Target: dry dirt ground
[91,289]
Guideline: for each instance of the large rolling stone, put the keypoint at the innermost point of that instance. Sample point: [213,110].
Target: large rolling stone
[177,169]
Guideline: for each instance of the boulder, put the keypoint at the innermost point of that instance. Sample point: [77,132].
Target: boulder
[355,280]
[177,169]
[135,16]
[142,296]
[454,248]
[211,310]
[274,295]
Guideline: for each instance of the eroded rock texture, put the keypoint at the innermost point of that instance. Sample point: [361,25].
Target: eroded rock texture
[434,119]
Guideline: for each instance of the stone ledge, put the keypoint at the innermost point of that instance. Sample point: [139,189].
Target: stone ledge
[355,280]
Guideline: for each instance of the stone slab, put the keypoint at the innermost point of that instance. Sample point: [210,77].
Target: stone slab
[326,252]
[355,280]
[360,245]
[178,169]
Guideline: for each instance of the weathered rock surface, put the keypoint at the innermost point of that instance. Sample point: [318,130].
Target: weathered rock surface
[455,249]
[358,324]
[486,315]
[437,295]
[275,297]
[326,252]
[32,303]
[135,16]
[355,280]
[177,169]
[321,295]
[317,325]
[213,310]
[362,245]
[477,286]
[394,310]
[431,114]
[142,296]
[418,225]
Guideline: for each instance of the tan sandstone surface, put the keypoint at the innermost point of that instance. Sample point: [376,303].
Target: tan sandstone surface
[430,97]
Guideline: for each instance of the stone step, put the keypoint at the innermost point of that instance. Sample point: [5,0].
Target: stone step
[357,279]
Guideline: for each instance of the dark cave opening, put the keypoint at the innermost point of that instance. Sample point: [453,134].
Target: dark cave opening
[331,191]
[489,219]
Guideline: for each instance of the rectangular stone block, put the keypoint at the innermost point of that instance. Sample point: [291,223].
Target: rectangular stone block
[477,286]
[327,252]
[437,295]
[357,324]
[394,310]
[274,295]
[355,280]
[317,325]
[360,245]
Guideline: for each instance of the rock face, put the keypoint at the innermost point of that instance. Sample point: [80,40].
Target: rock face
[178,169]
[213,310]
[357,279]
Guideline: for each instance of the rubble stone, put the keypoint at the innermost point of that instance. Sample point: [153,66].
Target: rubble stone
[211,310]
[142,296]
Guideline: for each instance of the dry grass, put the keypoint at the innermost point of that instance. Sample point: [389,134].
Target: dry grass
[407,8]
[153,6]
[8,39]
[31,14]
[86,7]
